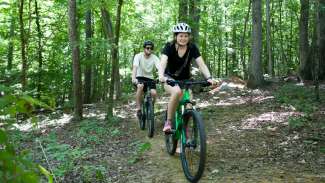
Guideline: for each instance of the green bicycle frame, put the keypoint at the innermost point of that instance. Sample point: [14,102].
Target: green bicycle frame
[179,115]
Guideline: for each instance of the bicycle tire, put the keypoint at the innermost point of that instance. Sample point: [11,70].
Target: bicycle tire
[142,121]
[170,140]
[150,118]
[193,152]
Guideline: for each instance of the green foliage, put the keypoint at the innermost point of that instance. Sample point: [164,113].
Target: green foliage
[48,175]
[116,132]
[297,122]
[14,166]
[322,149]
[301,98]
[141,147]
[63,156]
[93,173]
[90,132]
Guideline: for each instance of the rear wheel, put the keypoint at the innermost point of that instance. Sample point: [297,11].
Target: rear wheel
[193,146]
[170,139]
[150,118]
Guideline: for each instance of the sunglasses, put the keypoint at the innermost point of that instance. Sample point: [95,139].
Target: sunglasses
[149,48]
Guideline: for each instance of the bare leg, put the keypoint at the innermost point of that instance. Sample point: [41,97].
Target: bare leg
[138,96]
[175,93]
[154,95]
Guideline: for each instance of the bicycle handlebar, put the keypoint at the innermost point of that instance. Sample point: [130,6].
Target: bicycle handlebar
[188,83]
[146,82]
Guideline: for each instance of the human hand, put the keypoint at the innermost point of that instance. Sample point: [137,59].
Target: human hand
[162,79]
[211,81]
[134,81]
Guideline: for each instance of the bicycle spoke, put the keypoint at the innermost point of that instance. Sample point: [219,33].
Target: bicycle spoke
[194,149]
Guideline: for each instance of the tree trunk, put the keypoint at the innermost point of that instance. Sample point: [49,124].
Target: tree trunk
[282,42]
[304,67]
[255,77]
[39,51]
[318,50]
[242,42]
[234,70]
[105,77]
[195,19]
[117,38]
[204,43]
[11,41]
[183,11]
[268,39]
[114,51]
[108,28]
[23,46]
[226,56]
[74,45]
[88,65]
[321,39]
[219,56]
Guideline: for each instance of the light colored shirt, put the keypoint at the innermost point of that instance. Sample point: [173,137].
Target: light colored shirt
[145,65]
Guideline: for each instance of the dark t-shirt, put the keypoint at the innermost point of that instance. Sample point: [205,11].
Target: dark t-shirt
[174,62]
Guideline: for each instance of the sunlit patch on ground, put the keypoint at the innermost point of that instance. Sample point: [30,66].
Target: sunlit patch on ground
[29,125]
[261,99]
[267,118]
[98,114]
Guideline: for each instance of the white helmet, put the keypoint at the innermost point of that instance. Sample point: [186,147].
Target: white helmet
[181,27]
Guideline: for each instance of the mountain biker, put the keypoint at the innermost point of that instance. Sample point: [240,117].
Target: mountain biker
[143,67]
[175,64]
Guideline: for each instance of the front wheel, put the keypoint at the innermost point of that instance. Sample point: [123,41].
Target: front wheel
[142,120]
[193,146]
[150,118]
[170,139]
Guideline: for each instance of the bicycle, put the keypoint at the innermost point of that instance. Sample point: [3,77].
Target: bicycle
[188,127]
[147,110]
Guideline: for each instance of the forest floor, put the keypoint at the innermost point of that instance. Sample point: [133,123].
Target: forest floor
[249,139]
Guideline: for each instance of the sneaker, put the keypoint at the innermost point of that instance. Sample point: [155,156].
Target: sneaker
[167,127]
[139,114]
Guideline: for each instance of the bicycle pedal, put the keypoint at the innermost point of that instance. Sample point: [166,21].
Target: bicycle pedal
[190,143]
[171,132]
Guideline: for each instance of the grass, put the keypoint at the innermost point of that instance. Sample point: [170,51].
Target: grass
[300,98]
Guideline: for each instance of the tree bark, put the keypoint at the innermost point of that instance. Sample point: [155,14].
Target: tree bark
[226,56]
[74,45]
[11,39]
[234,67]
[88,65]
[195,19]
[183,10]
[318,50]
[23,46]
[321,39]
[108,28]
[304,67]
[268,39]
[116,40]
[219,71]
[255,77]
[283,51]
[242,42]
[39,51]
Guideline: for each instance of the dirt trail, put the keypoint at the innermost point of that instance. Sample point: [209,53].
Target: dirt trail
[248,141]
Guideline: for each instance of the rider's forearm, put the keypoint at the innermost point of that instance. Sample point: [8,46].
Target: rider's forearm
[203,68]
[134,71]
[162,67]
